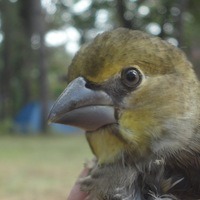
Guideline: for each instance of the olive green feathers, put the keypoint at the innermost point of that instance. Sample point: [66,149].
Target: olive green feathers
[138,99]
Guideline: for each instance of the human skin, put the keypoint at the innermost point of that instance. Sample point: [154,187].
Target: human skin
[76,193]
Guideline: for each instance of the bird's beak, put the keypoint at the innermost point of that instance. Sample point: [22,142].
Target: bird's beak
[82,107]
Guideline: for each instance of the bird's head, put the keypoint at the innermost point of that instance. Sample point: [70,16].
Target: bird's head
[133,93]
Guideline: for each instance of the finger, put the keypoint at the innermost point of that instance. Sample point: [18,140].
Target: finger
[76,193]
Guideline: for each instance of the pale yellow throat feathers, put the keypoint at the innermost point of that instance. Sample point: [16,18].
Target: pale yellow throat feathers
[105,145]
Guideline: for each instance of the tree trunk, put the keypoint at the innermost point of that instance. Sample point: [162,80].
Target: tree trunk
[38,21]
[182,5]
[6,71]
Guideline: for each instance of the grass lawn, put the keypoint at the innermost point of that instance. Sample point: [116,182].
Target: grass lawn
[40,168]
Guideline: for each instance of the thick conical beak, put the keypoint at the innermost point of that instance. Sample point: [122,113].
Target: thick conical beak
[82,107]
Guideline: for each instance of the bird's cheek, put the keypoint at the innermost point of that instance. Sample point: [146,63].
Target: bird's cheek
[134,127]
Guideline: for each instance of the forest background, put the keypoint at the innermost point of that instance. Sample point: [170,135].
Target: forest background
[39,38]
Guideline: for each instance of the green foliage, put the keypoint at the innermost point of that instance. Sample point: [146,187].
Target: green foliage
[6,126]
[57,65]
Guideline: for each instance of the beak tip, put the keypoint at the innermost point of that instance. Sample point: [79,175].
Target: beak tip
[51,118]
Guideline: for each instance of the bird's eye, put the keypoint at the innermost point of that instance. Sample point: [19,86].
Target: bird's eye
[131,77]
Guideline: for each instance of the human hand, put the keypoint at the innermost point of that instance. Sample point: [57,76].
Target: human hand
[76,193]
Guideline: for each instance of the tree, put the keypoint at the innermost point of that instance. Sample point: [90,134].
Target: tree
[24,52]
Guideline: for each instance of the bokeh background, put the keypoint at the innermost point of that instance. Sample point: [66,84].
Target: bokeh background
[38,39]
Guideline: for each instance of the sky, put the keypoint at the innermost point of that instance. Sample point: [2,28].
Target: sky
[69,36]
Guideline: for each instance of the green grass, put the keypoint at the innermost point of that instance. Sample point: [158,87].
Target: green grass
[38,168]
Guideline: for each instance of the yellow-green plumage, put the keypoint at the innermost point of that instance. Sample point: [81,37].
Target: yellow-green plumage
[163,95]
[153,147]
[111,51]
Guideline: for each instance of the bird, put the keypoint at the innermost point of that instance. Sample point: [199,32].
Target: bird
[138,99]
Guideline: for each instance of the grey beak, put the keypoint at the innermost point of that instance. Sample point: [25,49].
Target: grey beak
[82,107]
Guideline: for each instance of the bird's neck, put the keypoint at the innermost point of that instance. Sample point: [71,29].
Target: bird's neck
[106,146]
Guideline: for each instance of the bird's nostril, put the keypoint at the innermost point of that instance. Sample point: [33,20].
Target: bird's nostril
[88,85]
[92,86]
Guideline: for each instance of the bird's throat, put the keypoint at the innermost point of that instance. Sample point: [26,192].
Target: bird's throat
[106,146]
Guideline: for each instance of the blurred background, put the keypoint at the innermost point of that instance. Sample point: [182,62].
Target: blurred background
[38,39]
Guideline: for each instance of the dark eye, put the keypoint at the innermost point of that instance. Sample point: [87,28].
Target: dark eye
[131,77]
